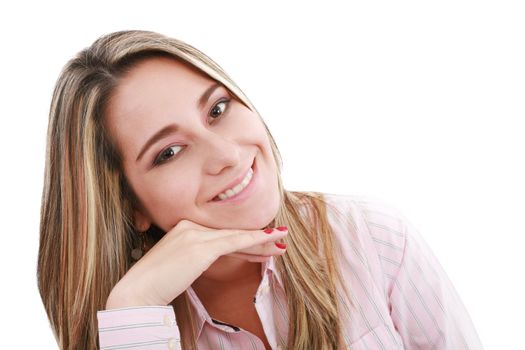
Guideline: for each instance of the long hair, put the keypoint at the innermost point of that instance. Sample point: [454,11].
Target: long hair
[86,230]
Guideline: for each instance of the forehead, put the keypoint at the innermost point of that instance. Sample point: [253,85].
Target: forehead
[154,78]
[155,92]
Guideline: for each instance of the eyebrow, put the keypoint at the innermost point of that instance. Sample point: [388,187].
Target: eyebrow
[172,128]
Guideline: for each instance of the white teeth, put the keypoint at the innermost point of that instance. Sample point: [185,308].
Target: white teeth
[245,182]
[238,188]
[233,191]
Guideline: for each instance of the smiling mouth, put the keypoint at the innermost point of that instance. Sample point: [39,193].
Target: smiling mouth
[237,189]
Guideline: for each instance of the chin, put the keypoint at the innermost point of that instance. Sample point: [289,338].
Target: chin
[263,218]
[256,220]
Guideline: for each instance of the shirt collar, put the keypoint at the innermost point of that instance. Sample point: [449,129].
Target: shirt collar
[199,312]
[270,266]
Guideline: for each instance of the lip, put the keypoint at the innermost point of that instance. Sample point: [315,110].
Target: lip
[244,193]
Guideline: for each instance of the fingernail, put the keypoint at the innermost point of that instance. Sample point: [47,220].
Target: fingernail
[282,228]
[268,230]
[281,245]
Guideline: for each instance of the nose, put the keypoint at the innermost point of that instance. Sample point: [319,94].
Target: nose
[221,153]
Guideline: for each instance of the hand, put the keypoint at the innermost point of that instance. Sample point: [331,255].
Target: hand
[182,255]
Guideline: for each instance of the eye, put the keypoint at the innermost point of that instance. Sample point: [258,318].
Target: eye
[219,108]
[216,112]
[166,155]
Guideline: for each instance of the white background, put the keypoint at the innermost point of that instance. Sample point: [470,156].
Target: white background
[417,103]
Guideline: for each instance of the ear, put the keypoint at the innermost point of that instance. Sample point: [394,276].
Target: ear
[142,222]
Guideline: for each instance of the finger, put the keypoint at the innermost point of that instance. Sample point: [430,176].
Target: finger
[207,234]
[213,234]
[243,240]
[268,248]
[265,250]
[249,257]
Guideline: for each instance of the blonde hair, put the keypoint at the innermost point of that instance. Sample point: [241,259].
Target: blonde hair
[86,231]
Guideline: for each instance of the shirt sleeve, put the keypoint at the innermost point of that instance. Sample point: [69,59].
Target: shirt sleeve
[424,306]
[143,327]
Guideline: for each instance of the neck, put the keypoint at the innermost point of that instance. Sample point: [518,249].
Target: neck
[227,270]
[226,274]
[227,288]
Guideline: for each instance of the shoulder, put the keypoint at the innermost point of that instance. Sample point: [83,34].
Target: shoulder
[372,216]
[368,226]
[373,226]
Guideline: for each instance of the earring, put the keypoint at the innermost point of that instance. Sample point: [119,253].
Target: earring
[137,253]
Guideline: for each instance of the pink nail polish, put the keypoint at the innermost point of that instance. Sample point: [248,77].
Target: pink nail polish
[281,245]
[282,228]
[268,230]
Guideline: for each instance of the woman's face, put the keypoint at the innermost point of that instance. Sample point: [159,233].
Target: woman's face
[184,139]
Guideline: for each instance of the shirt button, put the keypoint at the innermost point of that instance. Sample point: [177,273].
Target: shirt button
[167,321]
[172,344]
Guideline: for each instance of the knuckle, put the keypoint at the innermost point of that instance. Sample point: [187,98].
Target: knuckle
[251,239]
[255,236]
[183,223]
[188,237]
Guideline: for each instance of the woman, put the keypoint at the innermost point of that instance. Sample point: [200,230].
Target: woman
[165,224]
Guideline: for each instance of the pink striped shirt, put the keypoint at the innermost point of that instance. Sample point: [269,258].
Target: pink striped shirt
[402,298]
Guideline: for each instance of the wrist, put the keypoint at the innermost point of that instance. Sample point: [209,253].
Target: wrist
[119,299]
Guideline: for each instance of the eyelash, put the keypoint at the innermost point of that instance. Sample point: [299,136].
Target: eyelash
[226,101]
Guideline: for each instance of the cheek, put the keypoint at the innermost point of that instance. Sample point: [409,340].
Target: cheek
[250,127]
[168,200]
[240,116]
